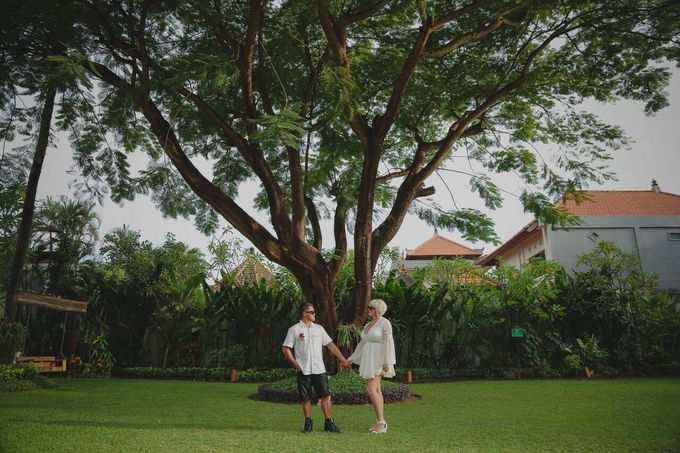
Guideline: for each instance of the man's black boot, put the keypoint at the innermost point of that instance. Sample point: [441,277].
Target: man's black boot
[330,427]
[309,424]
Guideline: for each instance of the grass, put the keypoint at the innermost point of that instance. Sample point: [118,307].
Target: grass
[142,415]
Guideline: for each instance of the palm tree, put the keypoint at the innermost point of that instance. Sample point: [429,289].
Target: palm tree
[64,235]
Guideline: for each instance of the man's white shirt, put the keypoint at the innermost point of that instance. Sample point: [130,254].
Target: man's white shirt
[307,343]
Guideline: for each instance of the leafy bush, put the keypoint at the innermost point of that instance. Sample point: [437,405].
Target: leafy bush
[233,356]
[15,378]
[573,362]
[346,388]
[18,372]
[590,352]
[100,358]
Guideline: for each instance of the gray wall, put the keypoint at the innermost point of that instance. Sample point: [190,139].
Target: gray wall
[645,236]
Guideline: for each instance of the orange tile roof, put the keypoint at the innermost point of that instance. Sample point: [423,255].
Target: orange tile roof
[602,203]
[528,232]
[438,246]
[625,203]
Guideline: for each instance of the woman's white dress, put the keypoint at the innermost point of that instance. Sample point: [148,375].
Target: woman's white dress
[375,349]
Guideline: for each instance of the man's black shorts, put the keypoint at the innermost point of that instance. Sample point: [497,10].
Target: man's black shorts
[312,386]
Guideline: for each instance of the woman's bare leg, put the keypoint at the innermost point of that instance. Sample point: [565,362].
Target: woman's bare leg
[373,390]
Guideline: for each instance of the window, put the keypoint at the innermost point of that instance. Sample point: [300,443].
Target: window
[593,236]
[673,236]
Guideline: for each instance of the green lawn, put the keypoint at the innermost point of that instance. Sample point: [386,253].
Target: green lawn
[140,415]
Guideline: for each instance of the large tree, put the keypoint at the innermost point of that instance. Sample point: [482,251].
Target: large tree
[344,110]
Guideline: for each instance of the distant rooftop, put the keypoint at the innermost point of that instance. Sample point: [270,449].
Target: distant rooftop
[440,247]
[624,203]
[602,203]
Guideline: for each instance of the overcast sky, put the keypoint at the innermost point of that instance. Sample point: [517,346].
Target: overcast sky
[655,154]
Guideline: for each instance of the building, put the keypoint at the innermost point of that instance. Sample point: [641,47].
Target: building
[646,223]
[435,247]
[248,273]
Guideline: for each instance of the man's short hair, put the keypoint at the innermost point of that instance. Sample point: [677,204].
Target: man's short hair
[303,308]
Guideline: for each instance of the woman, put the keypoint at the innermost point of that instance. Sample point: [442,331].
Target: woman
[376,358]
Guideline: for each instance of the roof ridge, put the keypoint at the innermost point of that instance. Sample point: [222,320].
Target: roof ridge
[438,236]
[628,191]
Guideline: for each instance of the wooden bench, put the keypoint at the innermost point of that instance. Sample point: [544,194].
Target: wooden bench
[46,364]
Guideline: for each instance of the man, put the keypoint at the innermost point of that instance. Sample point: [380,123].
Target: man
[307,339]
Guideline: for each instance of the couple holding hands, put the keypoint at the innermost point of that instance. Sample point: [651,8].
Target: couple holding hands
[374,354]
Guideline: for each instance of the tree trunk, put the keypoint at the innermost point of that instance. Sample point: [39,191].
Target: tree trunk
[25,228]
[318,290]
[363,233]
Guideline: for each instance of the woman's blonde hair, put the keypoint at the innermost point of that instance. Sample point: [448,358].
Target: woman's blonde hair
[379,305]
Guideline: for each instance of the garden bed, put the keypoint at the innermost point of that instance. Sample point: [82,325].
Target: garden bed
[346,388]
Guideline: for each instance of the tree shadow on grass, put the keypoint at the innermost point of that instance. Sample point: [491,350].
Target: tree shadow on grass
[219,425]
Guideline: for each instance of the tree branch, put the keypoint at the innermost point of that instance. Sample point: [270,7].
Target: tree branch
[409,188]
[481,32]
[336,36]
[407,72]
[364,13]
[312,214]
[465,10]
[211,194]
[254,21]
[340,234]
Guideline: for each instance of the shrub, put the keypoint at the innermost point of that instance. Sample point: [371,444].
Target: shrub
[18,372]
[346,388]
[590,352]
[16,378]
[233,356]
[573,362]
[100,358]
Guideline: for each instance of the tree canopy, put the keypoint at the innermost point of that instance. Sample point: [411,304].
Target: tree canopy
[345,110]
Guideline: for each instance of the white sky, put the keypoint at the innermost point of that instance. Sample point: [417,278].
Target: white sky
[655,154]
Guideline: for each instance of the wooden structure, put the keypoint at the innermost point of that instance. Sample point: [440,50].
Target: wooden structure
[52,302]
[46,364]
[50,364]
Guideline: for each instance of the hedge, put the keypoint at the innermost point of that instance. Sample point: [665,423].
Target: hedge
[419,375]
[203,374]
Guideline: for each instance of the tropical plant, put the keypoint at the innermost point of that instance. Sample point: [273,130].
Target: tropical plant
[64,236]
[141,292]
[526,298]
[258,316]
[99,358]
[609,299]
[590,352]
[209,314]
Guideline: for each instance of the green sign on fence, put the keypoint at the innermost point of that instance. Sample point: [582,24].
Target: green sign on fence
[517,332]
